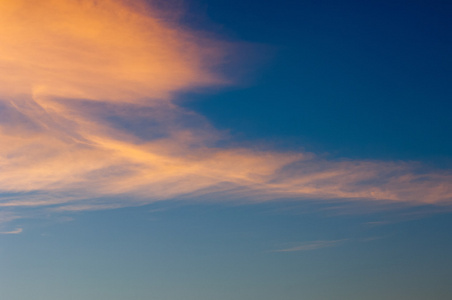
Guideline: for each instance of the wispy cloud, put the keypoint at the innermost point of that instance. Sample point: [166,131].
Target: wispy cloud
[16,231]
[374,238]
[87,120]
[378,223]
[313,245]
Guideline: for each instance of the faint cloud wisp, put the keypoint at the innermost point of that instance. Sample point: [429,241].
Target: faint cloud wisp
[16,231]
[314,245]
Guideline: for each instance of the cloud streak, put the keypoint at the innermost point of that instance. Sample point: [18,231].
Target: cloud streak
[16,231]
[87,120]
[315,245]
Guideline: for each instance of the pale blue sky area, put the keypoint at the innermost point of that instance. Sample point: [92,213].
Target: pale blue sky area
[175,251]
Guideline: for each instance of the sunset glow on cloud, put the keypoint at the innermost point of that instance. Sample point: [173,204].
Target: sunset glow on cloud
[97,50]
[71,67]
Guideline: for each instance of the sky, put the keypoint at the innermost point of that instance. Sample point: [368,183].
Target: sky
[225,149]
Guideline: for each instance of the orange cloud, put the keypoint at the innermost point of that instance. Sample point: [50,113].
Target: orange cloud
[69,67]
[100,50]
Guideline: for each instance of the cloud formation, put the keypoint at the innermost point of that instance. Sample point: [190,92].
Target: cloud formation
[99,50]
[87,120]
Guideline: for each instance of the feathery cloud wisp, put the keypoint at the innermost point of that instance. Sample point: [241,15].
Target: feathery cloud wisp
[16,231]
[312,246]
[87,121]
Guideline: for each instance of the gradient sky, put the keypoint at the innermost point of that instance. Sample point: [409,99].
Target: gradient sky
[225,150]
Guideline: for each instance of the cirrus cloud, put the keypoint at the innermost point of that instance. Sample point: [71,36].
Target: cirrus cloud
[87,120]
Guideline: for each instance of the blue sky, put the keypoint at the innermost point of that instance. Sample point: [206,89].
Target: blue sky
[225,149]
[359,79]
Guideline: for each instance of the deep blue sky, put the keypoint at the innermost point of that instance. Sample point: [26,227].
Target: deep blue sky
[364,79]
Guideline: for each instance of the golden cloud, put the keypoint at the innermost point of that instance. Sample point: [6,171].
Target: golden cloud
[71,69]
[101,50]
